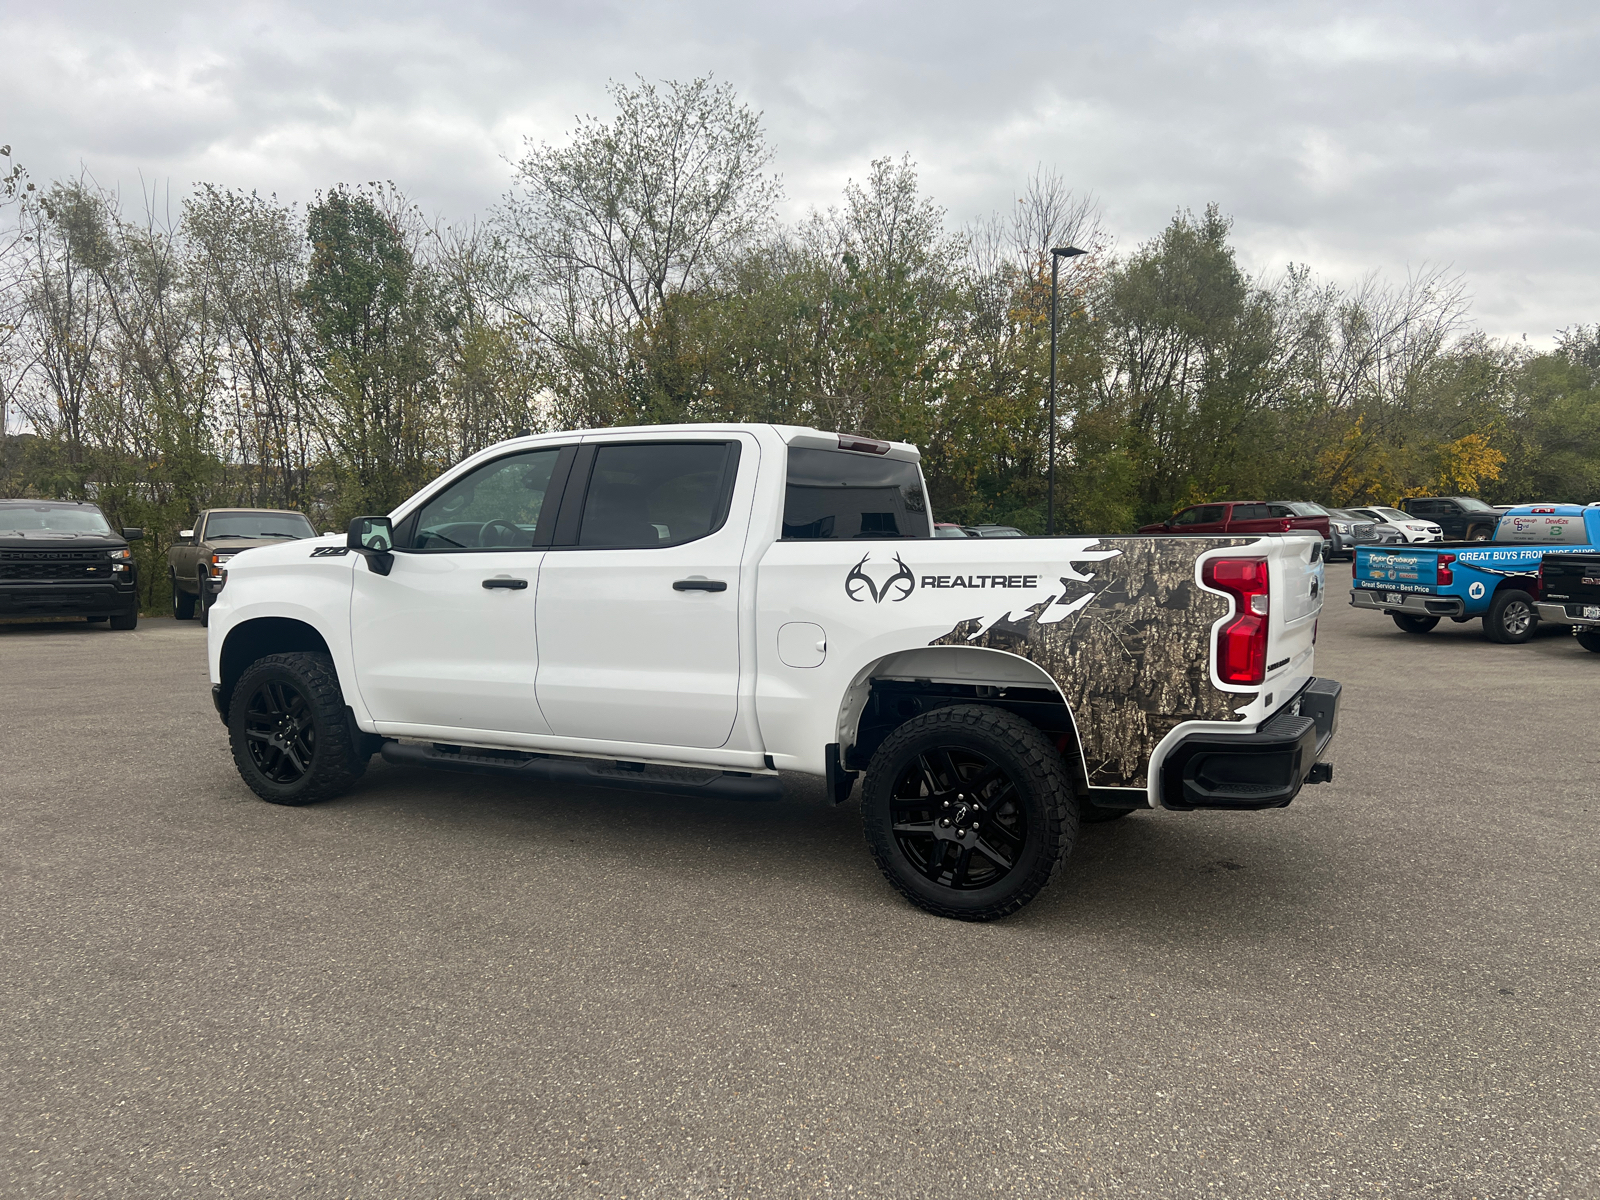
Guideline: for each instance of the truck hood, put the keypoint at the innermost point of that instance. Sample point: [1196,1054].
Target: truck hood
[60,541]
[235,545]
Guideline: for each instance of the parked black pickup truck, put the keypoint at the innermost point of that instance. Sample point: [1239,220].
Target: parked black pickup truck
[1569,594]
[1463,518]
[60,559]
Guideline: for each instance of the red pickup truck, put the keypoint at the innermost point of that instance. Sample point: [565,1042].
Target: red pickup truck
[1245,516]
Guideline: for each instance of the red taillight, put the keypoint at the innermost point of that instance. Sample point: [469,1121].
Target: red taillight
[1242,642]
[1445,575]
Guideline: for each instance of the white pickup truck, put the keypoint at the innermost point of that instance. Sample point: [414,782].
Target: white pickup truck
[695,609]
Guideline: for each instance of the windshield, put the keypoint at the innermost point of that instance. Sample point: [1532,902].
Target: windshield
[1471,505]
[1304,508]
[251,525]
[1394,514]
[22,517]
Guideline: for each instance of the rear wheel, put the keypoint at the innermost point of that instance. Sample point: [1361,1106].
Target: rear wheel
[288,732]
[182,602]
[126,621]
[1511,618]
[1413,624]
[1589,639]
[968,811]
[1479,533]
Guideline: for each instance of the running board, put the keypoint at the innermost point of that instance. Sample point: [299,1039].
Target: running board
[587,772]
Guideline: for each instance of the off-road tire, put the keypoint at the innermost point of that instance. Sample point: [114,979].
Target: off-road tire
[1413,624]
[126,621]
[182,602]
[1589,639]
[1511,619]
[1033,784]
[335,762]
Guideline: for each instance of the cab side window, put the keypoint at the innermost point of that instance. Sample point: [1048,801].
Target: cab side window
[496,507]
[653,494]
[1206,514]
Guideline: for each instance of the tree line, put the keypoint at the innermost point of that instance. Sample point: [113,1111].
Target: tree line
[238,350]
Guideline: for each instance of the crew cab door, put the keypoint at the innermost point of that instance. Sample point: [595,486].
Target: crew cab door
[639,596]
[1254,518]
[447,639]
[1203,518]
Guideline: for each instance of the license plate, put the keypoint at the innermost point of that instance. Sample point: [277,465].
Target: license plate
[1592,611]
[1393,598]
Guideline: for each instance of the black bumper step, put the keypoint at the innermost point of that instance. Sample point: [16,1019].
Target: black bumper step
[1264,769]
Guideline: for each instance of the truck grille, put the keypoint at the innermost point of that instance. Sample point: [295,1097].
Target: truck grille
[54,564]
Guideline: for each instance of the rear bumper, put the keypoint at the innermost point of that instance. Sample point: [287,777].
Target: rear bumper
[1566,614]
[1415,604]
[67,598]
[1264,769]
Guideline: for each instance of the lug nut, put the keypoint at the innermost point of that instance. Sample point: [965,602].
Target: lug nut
[945,823]
[947,803]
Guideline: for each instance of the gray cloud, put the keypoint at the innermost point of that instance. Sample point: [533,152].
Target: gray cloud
[1351,138]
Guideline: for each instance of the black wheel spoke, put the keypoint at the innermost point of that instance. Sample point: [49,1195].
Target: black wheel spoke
[992,826]
[930,776]
[984,848]
[959,875]
[935,861]
[922,827]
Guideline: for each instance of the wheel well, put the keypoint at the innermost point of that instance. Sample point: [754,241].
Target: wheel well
[1519,583]
[892,702]
[256,639]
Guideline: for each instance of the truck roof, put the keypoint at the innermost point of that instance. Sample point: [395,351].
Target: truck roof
[793,435]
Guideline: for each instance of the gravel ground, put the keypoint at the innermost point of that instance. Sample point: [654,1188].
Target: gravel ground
[448,987]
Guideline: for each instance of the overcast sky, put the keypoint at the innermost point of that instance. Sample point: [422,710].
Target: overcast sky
[1348,136]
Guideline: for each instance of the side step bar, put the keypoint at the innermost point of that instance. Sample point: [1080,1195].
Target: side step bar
[587,772]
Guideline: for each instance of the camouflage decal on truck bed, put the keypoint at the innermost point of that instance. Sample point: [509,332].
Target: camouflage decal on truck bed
[1131,652]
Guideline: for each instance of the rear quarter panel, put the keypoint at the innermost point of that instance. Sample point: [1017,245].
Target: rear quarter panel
[1122,625]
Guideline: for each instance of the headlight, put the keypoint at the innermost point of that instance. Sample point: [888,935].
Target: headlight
[1342,526]
[217,563]
[119,559]
[122,553]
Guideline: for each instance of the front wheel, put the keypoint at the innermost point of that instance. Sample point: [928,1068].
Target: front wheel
[1589,639]
[1478,533]
[1511,618]
[288,732]
[126,621]
[968,811]
[202,600]
[1413,624]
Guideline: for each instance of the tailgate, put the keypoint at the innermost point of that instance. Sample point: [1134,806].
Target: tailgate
[1411,570]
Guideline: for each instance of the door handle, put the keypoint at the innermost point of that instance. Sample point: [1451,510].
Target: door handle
[699,585]
[511,585]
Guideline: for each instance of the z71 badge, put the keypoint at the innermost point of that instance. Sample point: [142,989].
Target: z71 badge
[330,551]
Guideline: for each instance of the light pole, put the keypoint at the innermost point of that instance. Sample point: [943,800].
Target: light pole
[1056,255]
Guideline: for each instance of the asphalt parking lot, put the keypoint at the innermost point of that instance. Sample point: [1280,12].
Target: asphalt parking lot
[448,987]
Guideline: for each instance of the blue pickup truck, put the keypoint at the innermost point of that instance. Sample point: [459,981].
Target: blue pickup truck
[1420,584]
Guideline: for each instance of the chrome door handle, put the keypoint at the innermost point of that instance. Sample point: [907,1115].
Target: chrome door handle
[511,585]
[699,585]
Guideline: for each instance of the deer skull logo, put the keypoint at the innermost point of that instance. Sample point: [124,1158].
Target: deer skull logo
[857,584]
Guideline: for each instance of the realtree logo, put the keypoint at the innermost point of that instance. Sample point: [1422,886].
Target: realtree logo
[858,585]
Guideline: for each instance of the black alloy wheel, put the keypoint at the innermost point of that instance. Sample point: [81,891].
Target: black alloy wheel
[957,818]
[969,811]
[290,732]
[1414,624]
[281,733]
[1511,618]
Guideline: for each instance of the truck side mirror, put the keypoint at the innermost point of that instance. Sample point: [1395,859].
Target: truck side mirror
[132,533]
[372,538]
[186,535]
